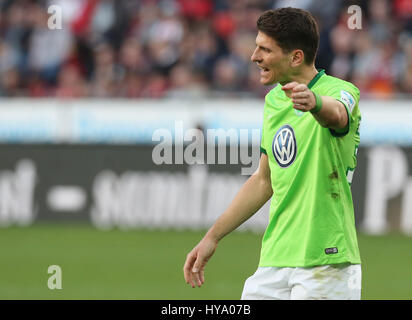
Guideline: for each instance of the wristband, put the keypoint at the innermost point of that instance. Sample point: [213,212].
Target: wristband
[318,105]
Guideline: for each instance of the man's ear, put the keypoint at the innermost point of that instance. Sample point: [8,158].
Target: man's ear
[297,57]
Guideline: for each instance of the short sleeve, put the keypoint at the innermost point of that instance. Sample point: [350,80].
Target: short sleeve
[262,141]
[349,97]
[263,133]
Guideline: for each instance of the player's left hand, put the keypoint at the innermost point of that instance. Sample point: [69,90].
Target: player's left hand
[302,97]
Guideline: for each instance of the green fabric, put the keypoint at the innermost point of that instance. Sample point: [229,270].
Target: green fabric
[318,105]
[311,169]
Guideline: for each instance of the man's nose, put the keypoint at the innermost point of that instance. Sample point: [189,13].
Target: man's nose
[255,57]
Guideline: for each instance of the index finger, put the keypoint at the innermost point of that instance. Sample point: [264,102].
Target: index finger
[299,87]
[187,269]
[290,85]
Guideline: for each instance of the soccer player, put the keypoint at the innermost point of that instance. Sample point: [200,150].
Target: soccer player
[310,138]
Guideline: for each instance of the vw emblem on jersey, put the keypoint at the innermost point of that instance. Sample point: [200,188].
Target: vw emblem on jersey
[284,146]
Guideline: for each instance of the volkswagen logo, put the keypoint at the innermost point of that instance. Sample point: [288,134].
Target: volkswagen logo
[284,146]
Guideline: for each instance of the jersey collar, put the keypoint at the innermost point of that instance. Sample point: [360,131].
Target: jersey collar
[316,78]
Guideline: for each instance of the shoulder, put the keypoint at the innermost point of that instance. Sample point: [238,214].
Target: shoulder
[345,92]
[342,90]
[330,83]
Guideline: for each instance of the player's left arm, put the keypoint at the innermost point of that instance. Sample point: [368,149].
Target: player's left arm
[332,114]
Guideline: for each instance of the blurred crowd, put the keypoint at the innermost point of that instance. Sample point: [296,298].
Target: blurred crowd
[188,48]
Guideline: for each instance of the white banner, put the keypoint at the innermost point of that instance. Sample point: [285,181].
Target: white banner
[134,121]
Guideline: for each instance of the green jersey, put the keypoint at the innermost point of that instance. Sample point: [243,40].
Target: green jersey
[311,219]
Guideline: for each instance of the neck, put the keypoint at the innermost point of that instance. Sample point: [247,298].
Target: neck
[304,75]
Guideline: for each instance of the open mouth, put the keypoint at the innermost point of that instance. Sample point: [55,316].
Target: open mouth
[263,70]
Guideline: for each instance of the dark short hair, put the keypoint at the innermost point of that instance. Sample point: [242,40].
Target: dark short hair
[292,29]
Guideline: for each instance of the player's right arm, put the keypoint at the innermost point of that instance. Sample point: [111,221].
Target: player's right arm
[254,193]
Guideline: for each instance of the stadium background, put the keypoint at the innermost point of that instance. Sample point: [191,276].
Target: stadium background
[80,105]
